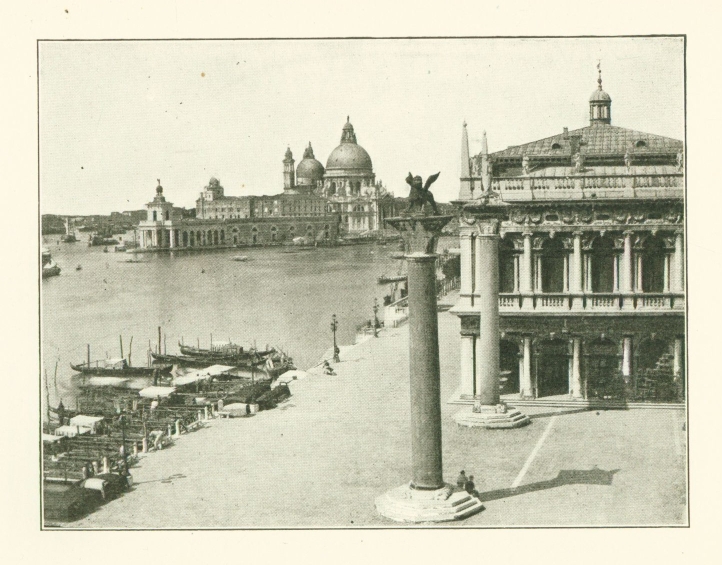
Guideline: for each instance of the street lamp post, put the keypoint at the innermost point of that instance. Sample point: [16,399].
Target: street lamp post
[334,327]
[376,317]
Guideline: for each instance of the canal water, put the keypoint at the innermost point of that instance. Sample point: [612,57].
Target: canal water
[283,297]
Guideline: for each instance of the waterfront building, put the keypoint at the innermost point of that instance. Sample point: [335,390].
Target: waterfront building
[591,263]
[223,221]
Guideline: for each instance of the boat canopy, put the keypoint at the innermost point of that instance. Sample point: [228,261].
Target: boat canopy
[107,381]
[155,391]
[71,431]
[87,421]
[215,370]
[51,439]
[189,379]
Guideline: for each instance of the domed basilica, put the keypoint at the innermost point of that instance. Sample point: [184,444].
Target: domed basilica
[348,183]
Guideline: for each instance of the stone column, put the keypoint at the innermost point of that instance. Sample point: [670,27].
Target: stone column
[526,389]
[627,358]
[466,386]
[173,242]
[627,274]
[488,412]
[575,279]
[678,264]
[465,243]
[526,273]
[677,366]
[487,351]
[576,387]
[426,498]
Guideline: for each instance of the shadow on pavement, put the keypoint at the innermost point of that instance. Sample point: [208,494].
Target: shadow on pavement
[558,413]
[593,476]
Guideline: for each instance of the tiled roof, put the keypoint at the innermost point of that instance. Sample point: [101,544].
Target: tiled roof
[600,139]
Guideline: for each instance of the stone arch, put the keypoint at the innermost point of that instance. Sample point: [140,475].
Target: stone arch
[553,265]
[509,355]
[185,238]
[507,270]
[274,233]
[649,351]
[603,372]
[551,367]
[254,235]
[654,264]
[603,260]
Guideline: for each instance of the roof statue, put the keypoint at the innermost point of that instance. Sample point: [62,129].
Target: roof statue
[628,159]
[421,195]
[578,162]
[525,165]
[680,161]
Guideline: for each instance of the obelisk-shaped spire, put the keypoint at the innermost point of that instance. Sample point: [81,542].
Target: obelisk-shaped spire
[465,190]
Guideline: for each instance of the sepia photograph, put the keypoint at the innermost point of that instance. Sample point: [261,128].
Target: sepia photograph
[362,283]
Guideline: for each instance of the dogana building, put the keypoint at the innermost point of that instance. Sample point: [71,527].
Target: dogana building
[591,266]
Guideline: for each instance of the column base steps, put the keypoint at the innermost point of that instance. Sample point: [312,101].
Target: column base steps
[405,504]
[490,418]
[567,402]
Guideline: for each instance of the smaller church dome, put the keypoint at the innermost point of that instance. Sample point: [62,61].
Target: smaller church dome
[309,170]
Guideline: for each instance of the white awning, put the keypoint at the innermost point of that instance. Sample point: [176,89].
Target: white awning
[51,439]
[71,431]
[154,391]
[81,420]
[188,379]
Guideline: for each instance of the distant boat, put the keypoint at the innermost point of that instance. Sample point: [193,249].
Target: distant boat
[384,279]
[239,258]
[79,268]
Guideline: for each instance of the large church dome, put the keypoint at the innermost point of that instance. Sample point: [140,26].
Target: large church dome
[349,155]
[309,170]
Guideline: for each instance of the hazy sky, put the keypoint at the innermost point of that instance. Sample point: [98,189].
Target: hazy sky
[115,116]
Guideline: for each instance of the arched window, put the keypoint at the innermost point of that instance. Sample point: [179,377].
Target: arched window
[185,239]
[603,371]
[552,266]
[274,233]
[509,365]
[603,264]
[155,215]
[167,215]
[653,265]
[254,234]
[507,270]
[649,352]
[332,190]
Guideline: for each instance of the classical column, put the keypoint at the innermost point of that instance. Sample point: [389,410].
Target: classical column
[575,279]
[627,358]
[678,264]
[426,498]
[465,243]
[526,273]
[677,366]
[627,273]
[487,351]
[173,242]
[525,386]
[466,385]
[576,388]
[488,411]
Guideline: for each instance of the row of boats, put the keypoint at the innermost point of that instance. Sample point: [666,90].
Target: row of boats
[271,362]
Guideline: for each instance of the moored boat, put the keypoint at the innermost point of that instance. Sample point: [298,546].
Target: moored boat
[119,367]
[49,267]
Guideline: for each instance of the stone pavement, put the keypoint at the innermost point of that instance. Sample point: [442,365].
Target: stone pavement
[321,459]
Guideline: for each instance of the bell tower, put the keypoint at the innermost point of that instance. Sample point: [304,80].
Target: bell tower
[289,173]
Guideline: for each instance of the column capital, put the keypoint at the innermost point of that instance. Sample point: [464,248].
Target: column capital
[488,227]
[628,233]
[420,234]
[577,233]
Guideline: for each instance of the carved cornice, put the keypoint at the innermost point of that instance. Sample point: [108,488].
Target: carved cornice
[419,233]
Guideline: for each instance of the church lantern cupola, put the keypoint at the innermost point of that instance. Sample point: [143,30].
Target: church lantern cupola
[600,104]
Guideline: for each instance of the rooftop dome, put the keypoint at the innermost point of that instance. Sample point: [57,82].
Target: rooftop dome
[349,155]
[309,169]
[600,96]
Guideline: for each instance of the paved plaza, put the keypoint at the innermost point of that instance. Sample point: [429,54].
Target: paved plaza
[320,460]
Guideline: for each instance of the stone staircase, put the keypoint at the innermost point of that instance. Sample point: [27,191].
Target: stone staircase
[404,504]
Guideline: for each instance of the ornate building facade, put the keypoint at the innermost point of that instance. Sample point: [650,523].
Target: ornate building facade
[590,238]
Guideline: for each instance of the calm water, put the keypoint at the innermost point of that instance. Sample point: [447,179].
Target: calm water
[278,298]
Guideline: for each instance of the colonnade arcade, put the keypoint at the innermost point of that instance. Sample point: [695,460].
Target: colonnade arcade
[593,268]
[582,358]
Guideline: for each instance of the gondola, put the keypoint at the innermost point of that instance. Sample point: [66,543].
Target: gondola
[226,350]
[119,367]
